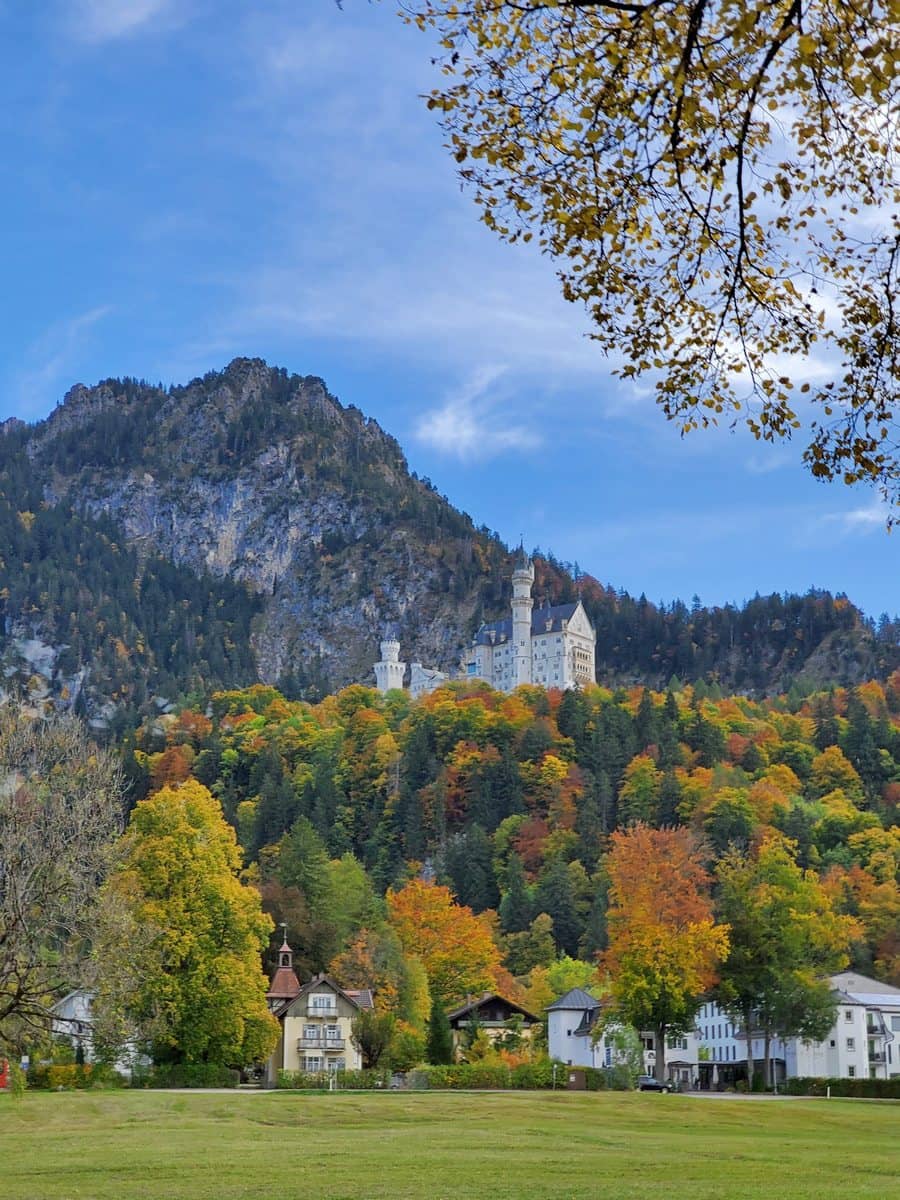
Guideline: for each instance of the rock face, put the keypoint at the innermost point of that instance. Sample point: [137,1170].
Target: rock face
[156,543]
[267,479]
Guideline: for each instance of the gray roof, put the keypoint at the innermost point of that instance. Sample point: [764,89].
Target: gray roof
[502,630]
[574,1001]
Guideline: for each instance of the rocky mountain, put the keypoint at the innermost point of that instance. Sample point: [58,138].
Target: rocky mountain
[158,542]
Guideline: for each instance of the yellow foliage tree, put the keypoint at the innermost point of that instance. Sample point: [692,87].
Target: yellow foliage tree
[200,993]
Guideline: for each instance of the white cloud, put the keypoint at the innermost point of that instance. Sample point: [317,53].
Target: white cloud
[51,359]
[865,519]
[108,20]
[471,423]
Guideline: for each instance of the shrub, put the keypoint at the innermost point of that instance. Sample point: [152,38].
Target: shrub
[188,1075]
[60,1077]
[359,1081]
[872,1089]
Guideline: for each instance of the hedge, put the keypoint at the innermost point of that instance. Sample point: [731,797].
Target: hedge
[359,1081]
[188,1075]
[528,1076]
[872,1089]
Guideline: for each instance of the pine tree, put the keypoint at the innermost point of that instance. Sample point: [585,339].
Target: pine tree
[516,906]
[440,1036]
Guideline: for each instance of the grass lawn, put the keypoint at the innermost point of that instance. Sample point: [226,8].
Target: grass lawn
[446,1146]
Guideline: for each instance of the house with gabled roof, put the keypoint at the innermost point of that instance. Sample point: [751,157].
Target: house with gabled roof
[315,1020]
[493,1014]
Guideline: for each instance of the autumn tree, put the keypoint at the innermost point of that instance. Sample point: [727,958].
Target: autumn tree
[60,812]
[201,992]
[454,945]
[664,944]
[716,182]
[785,936]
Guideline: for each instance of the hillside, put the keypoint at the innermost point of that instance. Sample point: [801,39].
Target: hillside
[158,543]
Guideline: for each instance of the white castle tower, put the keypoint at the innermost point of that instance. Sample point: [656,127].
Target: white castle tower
[522,604]
[390,671]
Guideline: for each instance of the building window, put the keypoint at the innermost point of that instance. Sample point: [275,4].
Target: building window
[851,1043]
[851,1072]
[848,1014]
[832,1043]
[310,1031]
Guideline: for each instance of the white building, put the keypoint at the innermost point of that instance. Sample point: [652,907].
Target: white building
[570,1027]
[550,646]
[863,1043]
[391,672]
[71,1020]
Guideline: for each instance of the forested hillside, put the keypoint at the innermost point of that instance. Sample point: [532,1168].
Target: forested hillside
[162,542]
[510,801]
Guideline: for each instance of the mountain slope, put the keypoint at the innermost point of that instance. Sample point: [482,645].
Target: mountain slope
[247,525]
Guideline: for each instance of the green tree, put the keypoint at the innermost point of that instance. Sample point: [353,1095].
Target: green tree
[517,903]
[201,994]
[439,1047]
[373,1033]
[784,936]
[691,166]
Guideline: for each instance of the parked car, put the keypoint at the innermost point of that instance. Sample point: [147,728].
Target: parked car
[649,1083]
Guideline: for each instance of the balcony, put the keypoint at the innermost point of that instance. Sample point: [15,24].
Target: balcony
[876,1057]
[320,1043]
[321,1010]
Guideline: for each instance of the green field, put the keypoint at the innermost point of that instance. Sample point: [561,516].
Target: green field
[446,1146]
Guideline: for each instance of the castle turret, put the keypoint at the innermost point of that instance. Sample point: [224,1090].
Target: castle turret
[522,604]
[390,671]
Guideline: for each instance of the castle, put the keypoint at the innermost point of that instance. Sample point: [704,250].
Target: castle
[553,647]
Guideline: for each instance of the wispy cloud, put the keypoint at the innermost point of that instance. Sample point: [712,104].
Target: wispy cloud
[868,518]
[51,359]
[472,424]
[108,20]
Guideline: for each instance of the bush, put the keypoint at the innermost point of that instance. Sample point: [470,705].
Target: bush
[61,1077]
[871,1089]
[188,1075]
[358,1081]
[527,1076]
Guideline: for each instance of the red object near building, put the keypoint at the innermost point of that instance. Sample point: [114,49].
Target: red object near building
[4,1073]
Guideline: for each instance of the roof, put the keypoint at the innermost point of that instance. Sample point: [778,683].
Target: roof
[360,998]
[470,1005]
[363,996]
[573,1001]
[587,1023]
[285,985]
[502,629]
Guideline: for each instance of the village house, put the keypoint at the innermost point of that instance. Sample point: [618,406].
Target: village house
[496,1016]
[316,1020]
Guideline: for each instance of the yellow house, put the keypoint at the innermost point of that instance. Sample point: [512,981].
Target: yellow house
[315,1020]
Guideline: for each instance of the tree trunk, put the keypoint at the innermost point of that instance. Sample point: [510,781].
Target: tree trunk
[748,1034]
[659,1069]
[767,1070]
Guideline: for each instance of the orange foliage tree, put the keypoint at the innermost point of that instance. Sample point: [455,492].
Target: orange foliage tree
[455,946]
[664,945]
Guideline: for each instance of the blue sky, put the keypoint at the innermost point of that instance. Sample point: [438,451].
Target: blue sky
[191,180]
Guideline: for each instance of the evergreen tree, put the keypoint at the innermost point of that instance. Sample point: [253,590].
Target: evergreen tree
[439,1047]
[516,905]
[555,896]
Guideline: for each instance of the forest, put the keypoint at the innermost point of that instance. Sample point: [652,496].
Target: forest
[366,817]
